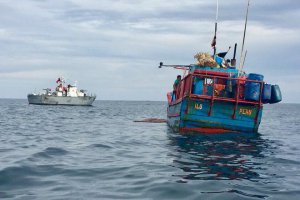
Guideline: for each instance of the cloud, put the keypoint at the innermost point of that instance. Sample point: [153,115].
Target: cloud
[36,74]
[114,47]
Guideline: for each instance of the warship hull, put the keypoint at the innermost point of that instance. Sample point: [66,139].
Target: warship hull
[60,100]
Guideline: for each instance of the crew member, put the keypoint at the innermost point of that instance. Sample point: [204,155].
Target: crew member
[175,85]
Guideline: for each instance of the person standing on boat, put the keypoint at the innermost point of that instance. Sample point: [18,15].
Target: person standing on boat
[175,86]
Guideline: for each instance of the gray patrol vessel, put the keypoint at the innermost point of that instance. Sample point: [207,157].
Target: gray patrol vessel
[63,95]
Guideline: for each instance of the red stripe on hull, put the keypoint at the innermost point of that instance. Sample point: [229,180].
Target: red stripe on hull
[206,130]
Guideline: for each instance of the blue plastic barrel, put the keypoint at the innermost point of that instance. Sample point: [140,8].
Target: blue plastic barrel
[255,77]
[275,94]
[266,95]
[252,89]
[219,60]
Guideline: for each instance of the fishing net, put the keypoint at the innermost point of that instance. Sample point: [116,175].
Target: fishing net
[205,59]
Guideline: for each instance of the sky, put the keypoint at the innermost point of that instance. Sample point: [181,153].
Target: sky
[112,48]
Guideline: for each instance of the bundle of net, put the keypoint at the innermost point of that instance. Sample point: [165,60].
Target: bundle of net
[205,59]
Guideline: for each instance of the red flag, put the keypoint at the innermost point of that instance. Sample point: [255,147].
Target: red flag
[214,42]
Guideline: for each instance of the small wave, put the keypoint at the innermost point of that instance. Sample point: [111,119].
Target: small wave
[5,195]
[101,146]
[3,150]
[260,196]
[21,176]
[50,152]
[286,161]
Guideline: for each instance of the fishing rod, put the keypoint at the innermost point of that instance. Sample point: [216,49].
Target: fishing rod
[244,60]
[245,29]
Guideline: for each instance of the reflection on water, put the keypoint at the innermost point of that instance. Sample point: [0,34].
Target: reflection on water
[217,156]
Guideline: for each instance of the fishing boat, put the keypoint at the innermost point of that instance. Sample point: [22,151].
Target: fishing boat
[215,95]
[63,95]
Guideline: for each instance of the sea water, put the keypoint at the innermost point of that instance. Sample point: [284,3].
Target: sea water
[98,152]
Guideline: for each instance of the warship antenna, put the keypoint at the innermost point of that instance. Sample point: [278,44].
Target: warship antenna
[214,41]
[245,29]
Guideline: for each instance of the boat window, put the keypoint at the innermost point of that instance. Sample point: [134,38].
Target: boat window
[208,81]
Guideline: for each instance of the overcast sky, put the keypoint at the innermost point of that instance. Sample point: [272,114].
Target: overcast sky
[112,48]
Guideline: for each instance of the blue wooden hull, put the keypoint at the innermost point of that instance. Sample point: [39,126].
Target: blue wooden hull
[196,115]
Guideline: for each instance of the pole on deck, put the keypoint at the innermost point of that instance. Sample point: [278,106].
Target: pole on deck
[233,60]
[244,58]
[245,29]
[214,41]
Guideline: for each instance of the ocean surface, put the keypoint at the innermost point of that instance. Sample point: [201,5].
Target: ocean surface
[98,152]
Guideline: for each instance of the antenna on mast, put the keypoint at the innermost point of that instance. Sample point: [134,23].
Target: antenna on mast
[244,58]
[245,29]
[214,41]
